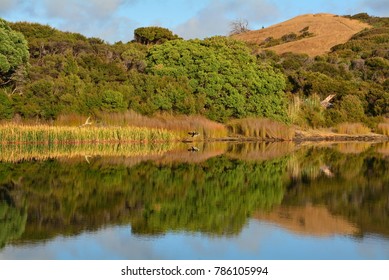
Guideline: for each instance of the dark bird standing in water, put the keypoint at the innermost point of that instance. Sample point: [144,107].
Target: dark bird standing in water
[193,133]
[193,149]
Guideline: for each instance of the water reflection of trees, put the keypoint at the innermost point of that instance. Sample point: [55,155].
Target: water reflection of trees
[13,216]
[215,196]
[358,189]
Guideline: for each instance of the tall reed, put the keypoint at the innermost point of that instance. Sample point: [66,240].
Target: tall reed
[180,124]
[54,134]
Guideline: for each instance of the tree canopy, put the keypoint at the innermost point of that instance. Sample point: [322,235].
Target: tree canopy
[224,76]
[13,50]
[153,35]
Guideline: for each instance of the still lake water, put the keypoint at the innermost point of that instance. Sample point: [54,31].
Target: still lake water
[226,201]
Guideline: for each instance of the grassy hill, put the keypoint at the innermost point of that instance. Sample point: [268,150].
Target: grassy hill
[312,34]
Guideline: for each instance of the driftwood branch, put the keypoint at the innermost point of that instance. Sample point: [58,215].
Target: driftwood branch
[326,102]
[326,170]
[87,159]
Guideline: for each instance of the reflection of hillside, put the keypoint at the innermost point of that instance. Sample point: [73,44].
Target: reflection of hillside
[309,220]
[358,189]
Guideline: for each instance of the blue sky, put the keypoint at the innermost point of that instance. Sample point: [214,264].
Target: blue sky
[115,20]
[258,240]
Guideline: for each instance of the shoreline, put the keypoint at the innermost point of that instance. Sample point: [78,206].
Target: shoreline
[299,139]
[304,139]
[67,135]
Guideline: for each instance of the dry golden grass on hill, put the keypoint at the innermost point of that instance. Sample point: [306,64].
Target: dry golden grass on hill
[328,30]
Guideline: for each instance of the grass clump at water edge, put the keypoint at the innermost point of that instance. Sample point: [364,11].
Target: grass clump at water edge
[383,128]
[264,129]
[352,129]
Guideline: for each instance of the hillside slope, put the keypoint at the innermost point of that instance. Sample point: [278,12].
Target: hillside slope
[322,31]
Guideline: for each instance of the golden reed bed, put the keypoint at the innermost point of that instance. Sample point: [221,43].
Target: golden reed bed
[45,134]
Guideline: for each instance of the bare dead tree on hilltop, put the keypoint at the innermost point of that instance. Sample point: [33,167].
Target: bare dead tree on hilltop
[239,26]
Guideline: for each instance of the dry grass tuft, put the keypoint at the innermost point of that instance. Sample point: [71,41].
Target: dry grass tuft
[383,128]
[263,129]
[352,129]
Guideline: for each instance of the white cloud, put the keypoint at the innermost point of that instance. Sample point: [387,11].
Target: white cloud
[75,9]
[92,18]
[215,18]
[6,5]
[95,18]
[376,7]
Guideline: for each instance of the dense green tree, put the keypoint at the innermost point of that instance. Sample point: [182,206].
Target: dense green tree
[41,100]
[112,101]
[153,35]
[13,51]
[6,108]
[135,57]
[377,102]
[351,106]
[222,70]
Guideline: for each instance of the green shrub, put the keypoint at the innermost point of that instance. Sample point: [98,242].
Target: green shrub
[352,108]
[224,73]
[13,50]
[312,112]
[6,109]
[112,101]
